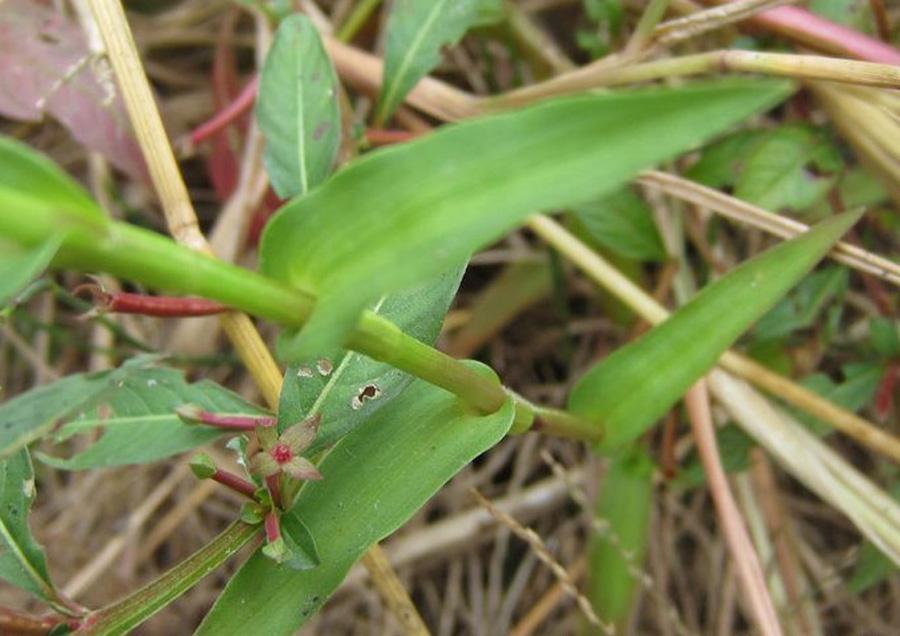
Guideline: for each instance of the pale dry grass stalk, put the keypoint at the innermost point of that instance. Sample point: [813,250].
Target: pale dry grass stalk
[806,457]
[700,22]
[90,572]
[540,549]
[749,569]
[776,224]
[600,74]
[183,225]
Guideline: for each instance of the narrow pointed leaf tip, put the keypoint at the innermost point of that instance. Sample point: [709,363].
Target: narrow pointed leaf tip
[632,388]
[401,215]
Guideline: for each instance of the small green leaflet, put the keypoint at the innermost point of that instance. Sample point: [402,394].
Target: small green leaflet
[346,388]
[31,415]
[297,109]
[396,217]
[623,223]
[416,31]
[136,408]
[22,560]
[630,389]
[791,168]
[17,269]
[375,479]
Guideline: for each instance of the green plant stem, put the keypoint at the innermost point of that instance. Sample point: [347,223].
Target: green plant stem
[131,252]
[357,19]
[122,616]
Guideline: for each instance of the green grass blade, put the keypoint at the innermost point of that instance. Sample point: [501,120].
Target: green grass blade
[297,109]
[374,480]
[624,505]
[401,215]
[416,32]
[632,388]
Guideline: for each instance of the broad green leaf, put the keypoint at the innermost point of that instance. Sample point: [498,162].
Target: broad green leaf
[374,480]
[22,560]
[28,178]
[803,307]
[721,163]
[416,31]
[346,388]
[17,269]
[872,567]
[403,214]
[623,223]
[624,507]
[297,109]
[136,410]
[734,447]
[791,168]
[630,389]
[860,382]
[884,334]
[301,545]
[31,415]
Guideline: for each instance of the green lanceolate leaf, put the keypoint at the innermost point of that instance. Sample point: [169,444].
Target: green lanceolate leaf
[297,109]
[22,560]
[136,409]
[623,223]
[398,216]
[416,31]
[375,479]
[629,390]
[17,269]
[347,387]
[623,506]
[31,415]
[792,167]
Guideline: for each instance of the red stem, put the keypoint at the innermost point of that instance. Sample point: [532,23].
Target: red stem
[231,422]
[884,396]
[241,104]
[146,305]
[381,137]
[273,482]
[273,528]
[235,483]
[13,623]
[809,29]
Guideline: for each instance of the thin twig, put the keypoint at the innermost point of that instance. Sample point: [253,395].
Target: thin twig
[540,549]
[734,208]
[749,570]
[695,24]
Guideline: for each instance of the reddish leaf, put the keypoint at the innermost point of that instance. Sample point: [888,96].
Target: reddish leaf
[46,69]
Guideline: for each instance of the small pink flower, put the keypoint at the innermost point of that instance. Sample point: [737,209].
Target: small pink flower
[282,453]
